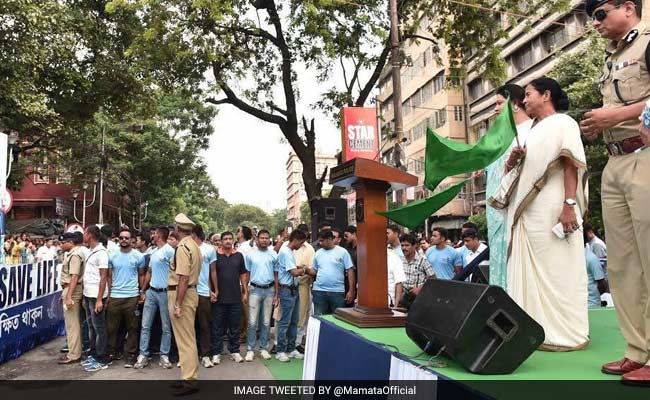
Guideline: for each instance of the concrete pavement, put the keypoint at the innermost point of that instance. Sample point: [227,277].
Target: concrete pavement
[40,364]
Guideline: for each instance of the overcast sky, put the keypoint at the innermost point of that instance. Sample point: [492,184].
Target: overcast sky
[246,159]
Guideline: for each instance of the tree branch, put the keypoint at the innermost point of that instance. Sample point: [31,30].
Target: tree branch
[372,81]
[260,33]
[414,36]
[217,102]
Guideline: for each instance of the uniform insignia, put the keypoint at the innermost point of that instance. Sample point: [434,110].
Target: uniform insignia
[624,64]
[634,33]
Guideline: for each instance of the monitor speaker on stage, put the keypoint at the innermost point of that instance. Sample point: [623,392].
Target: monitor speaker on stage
[477,325]
[334,211]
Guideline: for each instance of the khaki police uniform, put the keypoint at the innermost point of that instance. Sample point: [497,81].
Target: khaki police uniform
[73,264]
[626,192]
[186,261]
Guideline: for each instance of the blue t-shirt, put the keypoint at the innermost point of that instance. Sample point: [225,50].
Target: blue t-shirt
[208,256]
[286,262]
[159,264]
[594,273]
[444,261]
[331,266]
[261,265]
[125,273]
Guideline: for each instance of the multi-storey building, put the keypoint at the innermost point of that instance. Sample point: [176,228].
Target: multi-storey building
[428,101]
[296,194]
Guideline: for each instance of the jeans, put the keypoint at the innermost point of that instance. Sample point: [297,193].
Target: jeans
[259,300]
[155,301]
[204,322]
[97,333]
[327,302]
[288,325]
[226,316]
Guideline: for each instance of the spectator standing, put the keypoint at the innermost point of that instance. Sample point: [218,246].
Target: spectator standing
[208,293]
[445,260]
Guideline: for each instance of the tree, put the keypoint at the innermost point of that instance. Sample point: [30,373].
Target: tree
[241,214]
[278,221]
[266,41]
[481,222]
[305,213]
[578,74]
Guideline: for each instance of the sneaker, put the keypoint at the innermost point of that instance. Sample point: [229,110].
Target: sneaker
[130,362]
[65,349]
[118,356]
[301,348]
[142,362]
[265,355]
[273,350]
[178,364]
[205,361]
[249,355]
[164,362]
[282,357]
[88,361]
[297,355]
[216,360]
[96,366]
[236,357]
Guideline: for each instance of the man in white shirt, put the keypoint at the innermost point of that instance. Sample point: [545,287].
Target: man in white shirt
[396,278]
[95,291]
[47,252]
[473,245]
[596,245]
[244,239]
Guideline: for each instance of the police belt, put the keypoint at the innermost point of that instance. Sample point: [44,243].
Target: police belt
[625,146]
[163,290]
[253,284]
[172,288]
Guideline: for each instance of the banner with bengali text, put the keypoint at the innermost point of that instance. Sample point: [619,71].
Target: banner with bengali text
[30,310]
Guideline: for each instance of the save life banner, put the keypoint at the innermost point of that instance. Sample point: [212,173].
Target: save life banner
[30,308]
[359,133]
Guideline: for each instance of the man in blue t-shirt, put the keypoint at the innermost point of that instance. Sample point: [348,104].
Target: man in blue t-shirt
[446,261]
[331,264]
[288,272]
[126,274]
[596,283]
[207,291]
[263,293]
[155,300]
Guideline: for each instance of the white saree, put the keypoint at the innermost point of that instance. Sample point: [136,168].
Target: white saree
[546,275]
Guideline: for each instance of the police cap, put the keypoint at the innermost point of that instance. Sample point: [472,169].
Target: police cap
[592,5]
[183,222]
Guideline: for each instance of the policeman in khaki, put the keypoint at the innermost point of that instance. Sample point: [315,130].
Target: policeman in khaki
[625,86]
[71,282]
[183,301]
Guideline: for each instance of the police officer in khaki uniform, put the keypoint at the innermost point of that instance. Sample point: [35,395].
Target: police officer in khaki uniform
[71,282]
[183,301]
[625,86]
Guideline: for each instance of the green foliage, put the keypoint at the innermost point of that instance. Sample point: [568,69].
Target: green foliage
[245,214]
[481,221]
[305,213]
[578,74]
[278,221]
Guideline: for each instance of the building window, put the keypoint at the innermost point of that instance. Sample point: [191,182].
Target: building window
[41,175]
[476,88]
[439,82]
[555,39]
[458,113]
[523,58]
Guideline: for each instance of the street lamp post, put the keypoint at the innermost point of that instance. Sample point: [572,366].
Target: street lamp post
[75,194]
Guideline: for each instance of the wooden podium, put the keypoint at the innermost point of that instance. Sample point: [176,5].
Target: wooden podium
[371,180]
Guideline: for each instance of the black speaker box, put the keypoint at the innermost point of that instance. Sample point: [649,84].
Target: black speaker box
[333,211]
[479,326]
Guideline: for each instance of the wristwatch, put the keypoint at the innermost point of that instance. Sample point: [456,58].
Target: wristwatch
[570,202]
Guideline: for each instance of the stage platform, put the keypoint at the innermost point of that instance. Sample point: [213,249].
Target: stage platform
[570,367]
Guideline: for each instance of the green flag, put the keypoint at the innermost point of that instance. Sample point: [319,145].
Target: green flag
[446,157]
[414,214]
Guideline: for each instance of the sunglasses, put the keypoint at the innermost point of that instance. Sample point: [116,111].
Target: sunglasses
[124,238]
[601,14]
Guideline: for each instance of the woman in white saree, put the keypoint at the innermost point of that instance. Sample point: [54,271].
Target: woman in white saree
[547,275]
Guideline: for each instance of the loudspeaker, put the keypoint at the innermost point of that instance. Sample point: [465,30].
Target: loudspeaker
[481,274]
[333,211]
[479,326]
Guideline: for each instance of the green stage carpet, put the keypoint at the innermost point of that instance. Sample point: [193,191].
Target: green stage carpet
[291,371]
[606,345]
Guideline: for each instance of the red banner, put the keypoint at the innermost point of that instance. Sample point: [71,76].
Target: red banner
[359,133]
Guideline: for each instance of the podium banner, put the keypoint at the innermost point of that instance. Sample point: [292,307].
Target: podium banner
[30,308]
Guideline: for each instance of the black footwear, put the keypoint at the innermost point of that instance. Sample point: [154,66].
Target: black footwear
[118,356]
[64,349]
[176,385]
[130,362]
[186,388]
[273,351]
[301,349]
